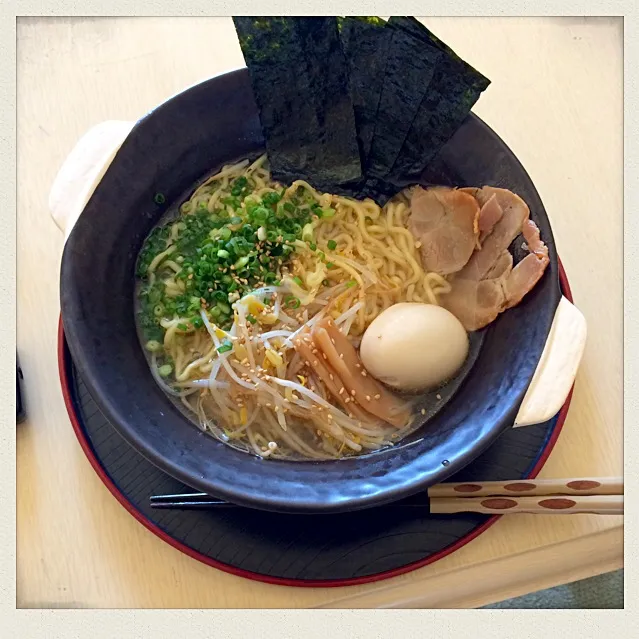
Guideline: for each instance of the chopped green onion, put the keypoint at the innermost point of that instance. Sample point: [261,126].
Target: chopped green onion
[153,346]
[224,347]
[325,282]
[351,283]
[165,370]
[307,232]
[254,233]
[159,198]
[271,198]
[329,265]
[242,262]
[332,245]
[328,212]
[292,302]
[251,319]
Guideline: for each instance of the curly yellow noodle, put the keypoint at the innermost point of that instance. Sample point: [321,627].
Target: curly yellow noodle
[365,248]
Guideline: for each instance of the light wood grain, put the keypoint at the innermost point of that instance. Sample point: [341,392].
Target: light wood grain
[556,99]
[543,505]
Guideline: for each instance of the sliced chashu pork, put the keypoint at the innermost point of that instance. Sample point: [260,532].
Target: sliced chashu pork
[446,223]
[488,284]
[508,226]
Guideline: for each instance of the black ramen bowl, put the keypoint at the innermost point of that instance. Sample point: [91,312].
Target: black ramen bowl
[169,151]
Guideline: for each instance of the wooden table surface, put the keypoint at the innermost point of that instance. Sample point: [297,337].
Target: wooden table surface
[556,99]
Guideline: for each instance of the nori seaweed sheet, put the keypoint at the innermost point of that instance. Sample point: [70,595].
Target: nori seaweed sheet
[409,70]
[301,85]
[377,189]
[274,58]
[338,160]
[416,28]
[454,89]
[365,42]
[355,106]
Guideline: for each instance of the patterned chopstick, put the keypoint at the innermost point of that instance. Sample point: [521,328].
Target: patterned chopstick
[542,504]
[597,495]
[531,487]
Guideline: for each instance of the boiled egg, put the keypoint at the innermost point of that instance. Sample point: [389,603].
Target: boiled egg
[413,346]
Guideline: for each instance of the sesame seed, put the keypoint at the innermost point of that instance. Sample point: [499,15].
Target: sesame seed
[341,390]
[330,376]
[358,365]
[423,411]
[368,398]
[341,355]
[353,393]
[438,396]
[377,396]
[364,373]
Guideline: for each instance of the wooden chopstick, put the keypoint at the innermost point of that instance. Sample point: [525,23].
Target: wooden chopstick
[596,495]
[542,504]
[532,487]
